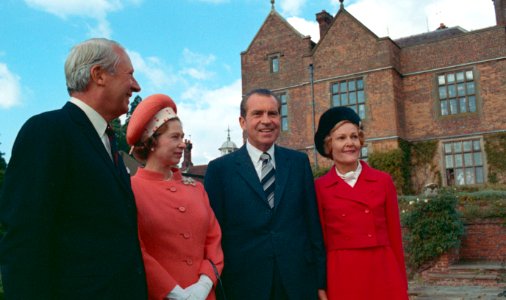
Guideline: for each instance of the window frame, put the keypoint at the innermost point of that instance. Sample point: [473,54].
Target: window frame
[349,92]
[274,68]
[464,162]
[457,92]
[284,124]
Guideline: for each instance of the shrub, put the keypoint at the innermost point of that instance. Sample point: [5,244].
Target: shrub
[433,226]
[320,171]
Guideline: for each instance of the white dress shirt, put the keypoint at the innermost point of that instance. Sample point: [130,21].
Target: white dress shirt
[254,154]
[98,122]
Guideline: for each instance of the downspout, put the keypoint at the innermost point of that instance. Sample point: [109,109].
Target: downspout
[311,80]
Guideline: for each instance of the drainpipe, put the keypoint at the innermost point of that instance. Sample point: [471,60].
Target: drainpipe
[311,80]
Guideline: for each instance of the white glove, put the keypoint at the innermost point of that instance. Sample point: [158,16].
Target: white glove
[178,293]
[200,289]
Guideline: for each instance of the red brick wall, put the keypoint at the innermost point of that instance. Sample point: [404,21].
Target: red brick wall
[478,45]
[421,104]
[400,83]
[484,240]
[275,36]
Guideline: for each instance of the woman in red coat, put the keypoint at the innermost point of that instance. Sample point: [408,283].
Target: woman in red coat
[359,216]
[180,236]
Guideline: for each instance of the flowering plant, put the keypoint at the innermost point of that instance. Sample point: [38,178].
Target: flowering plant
[432,226]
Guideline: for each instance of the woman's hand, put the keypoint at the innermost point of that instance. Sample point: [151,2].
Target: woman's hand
[200,290]
[322,295]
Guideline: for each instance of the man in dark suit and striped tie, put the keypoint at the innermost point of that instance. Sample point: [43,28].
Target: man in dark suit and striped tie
[264,199]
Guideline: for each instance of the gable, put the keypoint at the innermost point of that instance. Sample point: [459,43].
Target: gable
[276,38]
[348,47]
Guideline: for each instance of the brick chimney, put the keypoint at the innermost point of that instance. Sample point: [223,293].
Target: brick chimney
[500,12]
[187,154]
[441,26]
[324,19]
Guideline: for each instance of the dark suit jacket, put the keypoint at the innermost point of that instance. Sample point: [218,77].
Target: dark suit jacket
[69,215]
[256,238]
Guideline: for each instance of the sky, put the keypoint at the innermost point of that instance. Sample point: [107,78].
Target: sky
[187,49]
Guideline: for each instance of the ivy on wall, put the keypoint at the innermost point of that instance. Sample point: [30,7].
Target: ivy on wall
[393,162]
[495,148]
[422,153]
[409,160]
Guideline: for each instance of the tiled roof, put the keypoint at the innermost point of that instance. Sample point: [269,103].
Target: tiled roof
[428,37]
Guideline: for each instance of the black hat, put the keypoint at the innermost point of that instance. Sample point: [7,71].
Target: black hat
[328,120]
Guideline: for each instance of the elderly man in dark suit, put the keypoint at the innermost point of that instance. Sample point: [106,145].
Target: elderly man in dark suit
[67,206]
[263,196]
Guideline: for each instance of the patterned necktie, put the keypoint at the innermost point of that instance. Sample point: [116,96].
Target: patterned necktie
[268,178]
[112,141]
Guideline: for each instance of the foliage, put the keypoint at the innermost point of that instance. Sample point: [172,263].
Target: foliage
[3,164]
[422,153]
[133,106]
[3,167]
[394,163]
[495,148]
[120,129]
[320,171]
[483,204]
[2,174]
[433,226]
[423,169]
[406,165]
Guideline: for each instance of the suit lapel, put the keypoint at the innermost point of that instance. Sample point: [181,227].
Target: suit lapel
[282,173]
[90,134]
[246,170]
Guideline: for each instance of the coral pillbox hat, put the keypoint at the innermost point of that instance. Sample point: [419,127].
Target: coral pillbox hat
[148,116]
[328,120]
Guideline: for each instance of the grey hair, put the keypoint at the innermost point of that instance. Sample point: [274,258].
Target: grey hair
[83,56]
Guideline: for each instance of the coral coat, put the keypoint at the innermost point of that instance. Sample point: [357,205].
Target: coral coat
[178,231]
[362,234]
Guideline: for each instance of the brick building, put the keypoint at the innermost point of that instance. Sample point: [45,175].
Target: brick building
[447,86]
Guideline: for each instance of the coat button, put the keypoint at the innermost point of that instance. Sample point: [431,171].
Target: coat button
[172,189]
[343,215]
[189,261]
[182,209]
[366,211]
[369,235]
[186,235]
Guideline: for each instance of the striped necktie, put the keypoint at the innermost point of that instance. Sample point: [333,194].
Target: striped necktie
[268,178]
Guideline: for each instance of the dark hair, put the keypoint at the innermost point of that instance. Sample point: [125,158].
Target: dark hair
[263,92]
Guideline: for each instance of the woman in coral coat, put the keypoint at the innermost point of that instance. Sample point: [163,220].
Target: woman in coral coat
[180,236]
[359,216]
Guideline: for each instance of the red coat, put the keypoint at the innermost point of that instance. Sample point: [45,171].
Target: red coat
[361,229]
[178,232]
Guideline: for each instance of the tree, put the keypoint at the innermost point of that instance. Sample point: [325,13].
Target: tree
[3,166]
[120,129]
[133,106]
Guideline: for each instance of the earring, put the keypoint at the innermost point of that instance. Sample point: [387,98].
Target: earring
[152,149]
